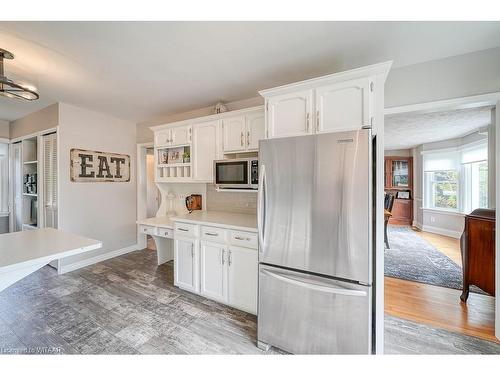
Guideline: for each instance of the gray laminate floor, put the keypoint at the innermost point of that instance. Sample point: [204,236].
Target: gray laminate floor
[129,305]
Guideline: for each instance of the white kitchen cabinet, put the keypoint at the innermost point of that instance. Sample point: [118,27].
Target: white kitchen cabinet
[343,106]
[290,114]
[234,130]
[242,278]
[162,138]
[255,130]
[180,135]
[186,265]
[205,149]
[213,267]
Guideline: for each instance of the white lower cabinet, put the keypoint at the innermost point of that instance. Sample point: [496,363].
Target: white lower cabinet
[213,267]
[186,265]
[242,278]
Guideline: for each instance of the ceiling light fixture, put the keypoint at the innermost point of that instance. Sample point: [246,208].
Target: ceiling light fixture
[11,89]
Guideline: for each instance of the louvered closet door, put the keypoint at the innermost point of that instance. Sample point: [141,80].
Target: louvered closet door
[50,180]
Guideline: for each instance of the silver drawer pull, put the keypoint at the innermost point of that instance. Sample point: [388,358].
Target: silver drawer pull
[183,229]
[211,234]
[242,238]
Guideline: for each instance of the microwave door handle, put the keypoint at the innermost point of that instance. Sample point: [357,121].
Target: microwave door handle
[261,218]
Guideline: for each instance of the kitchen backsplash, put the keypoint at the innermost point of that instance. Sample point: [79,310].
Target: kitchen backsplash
[237,202]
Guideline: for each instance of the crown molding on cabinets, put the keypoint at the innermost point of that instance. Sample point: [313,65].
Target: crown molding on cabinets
[365,71]
[216,116]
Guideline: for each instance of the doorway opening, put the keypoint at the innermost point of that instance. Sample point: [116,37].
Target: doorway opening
[439,168]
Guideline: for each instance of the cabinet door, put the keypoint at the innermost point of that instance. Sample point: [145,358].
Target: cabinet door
[205,149]
[181,135]
[162,137]
[289,114]
[343,106]
[186,264]
[213,271]
[255,130]
[233,134]
[242,278]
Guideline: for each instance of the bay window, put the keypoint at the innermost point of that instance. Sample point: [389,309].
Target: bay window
[456,180]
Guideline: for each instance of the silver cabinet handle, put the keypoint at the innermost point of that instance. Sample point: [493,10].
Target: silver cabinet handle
[211,234]
[261,215]
[222,256]
[229,258]
[241,139]
[317,121]
[192,250]
[242,238]
[183,229]
[307,122]
[248,138]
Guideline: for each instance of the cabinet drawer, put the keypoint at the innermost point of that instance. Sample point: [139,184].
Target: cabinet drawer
[183,229]
[165,232]
[245,239]
[213,234]
[147,229]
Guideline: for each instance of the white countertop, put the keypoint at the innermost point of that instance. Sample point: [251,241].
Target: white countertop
[221,219]
[159,221]
[23,249]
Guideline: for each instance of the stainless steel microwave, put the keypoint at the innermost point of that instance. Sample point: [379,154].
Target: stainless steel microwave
[236,173]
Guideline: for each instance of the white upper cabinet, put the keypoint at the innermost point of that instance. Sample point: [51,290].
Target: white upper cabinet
[255,130]
[343,106]
[162,138]
[290,114]
[234,130]
[213,270]
[205,149]
[180,135]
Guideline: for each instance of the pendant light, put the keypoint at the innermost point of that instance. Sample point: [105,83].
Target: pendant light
[9,88]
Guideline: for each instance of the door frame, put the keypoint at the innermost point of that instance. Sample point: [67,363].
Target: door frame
[142,181]
[473,101]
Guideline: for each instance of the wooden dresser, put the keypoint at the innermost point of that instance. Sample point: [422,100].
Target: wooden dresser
[478,251]
[398,182]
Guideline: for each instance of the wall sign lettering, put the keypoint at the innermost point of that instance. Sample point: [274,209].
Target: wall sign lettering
[97,166]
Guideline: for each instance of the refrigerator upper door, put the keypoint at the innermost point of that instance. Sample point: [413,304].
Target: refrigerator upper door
[305,314]
[315,204]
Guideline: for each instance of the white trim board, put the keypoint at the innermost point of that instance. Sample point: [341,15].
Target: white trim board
[473,101]
[441,231]
[98,258]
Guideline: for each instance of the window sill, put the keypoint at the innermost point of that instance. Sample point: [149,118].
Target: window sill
[444,212]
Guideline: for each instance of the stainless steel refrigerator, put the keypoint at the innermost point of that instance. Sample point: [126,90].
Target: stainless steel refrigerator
[315,243]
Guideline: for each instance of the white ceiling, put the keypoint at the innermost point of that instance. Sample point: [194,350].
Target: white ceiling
[141,70]
[408,130]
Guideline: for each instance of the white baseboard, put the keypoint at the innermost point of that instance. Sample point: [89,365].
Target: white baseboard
[98,258]
[416,224]
[444,232]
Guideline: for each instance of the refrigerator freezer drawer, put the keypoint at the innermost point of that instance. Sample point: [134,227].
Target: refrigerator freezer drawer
[305,314]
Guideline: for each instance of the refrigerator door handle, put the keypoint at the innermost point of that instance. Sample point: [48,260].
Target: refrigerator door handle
[308,284]
[261,218]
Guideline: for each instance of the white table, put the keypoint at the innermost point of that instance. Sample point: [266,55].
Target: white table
[22,253]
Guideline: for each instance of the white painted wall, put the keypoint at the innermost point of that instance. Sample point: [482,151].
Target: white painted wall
[105,211]
[152,192]
[4,129]
[465,75]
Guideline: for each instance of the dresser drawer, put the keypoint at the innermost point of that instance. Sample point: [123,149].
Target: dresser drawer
[186,230]
[147,229]
[165,232]
[245,239]
[213,234]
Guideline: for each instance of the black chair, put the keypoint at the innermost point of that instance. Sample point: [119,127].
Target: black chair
[388,203]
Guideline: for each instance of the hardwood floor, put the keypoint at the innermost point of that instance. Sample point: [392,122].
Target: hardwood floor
[441,307]
[447,245]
